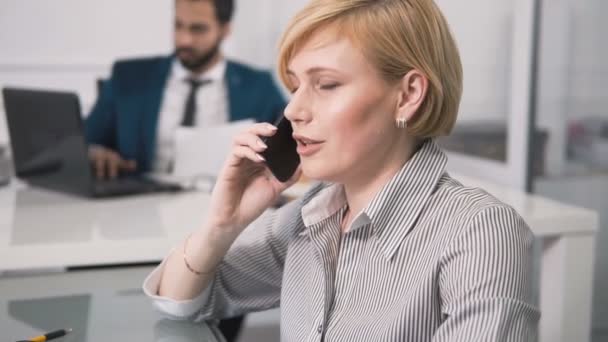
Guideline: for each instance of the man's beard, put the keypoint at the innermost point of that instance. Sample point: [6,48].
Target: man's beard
[198,63]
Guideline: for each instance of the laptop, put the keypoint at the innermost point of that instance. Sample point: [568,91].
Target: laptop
[49,148]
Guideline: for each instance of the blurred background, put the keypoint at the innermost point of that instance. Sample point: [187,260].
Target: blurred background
[534,113]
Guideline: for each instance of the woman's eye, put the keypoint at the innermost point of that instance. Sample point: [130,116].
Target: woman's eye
[329,86]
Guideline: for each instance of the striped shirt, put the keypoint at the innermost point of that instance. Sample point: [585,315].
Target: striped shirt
[428,259]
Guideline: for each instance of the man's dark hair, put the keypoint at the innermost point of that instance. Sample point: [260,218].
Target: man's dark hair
[223,9]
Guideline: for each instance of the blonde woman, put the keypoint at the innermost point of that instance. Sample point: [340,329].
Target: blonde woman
[388,247]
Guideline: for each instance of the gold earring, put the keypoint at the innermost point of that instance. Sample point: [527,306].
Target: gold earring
[401,122]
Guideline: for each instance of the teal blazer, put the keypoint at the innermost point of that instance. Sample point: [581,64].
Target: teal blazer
[125,116]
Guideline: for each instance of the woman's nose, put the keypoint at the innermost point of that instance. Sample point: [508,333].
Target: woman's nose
[297,109]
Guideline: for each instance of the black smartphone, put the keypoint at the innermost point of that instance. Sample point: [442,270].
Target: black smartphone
[281,155]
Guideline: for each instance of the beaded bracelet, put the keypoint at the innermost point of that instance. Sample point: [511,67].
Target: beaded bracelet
[199,273]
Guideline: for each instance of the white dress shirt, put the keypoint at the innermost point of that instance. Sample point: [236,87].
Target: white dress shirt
[211,108]
[427,260]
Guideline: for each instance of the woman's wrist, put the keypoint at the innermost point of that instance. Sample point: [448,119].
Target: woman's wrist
[205,248]
[219,231]
[187,263]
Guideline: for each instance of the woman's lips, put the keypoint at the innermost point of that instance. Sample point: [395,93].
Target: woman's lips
[306,146]
[306,150]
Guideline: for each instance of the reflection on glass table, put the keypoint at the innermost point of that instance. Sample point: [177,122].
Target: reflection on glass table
[98,305]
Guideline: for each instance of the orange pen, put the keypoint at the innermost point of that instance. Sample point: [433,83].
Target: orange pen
[49,336]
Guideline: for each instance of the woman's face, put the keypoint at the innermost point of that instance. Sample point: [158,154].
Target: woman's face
[342,112]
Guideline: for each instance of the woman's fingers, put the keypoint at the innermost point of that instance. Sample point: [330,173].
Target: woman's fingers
[249,144]
[250,140]
[263,129]
[253,136]
[245,152]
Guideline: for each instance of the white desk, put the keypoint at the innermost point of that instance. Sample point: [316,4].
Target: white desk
[40,229]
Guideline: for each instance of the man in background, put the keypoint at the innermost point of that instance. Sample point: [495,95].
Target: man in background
[132,126]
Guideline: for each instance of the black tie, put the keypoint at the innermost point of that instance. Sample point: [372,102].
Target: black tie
[190,108]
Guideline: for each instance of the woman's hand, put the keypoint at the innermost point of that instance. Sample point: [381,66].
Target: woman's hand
[245,186]
[243,190]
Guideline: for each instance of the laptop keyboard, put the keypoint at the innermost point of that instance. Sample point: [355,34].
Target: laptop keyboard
[130,186]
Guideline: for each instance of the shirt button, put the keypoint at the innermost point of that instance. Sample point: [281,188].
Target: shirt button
[320,328]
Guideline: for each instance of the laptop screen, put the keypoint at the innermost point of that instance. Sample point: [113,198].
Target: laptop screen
[47,139]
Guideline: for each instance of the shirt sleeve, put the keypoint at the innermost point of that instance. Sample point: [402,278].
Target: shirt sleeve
[250,276]
[172,309]
[484,281]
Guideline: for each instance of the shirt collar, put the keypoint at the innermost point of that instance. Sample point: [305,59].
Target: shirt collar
[216,73]
[395,208]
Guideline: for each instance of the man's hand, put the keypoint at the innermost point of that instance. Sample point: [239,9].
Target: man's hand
[108,163]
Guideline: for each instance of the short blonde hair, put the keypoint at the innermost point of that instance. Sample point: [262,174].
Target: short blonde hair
[396,36]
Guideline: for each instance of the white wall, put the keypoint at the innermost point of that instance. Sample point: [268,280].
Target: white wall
[76,32]
[485,47]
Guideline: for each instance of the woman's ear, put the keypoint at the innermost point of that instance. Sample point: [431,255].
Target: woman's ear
[412,92]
